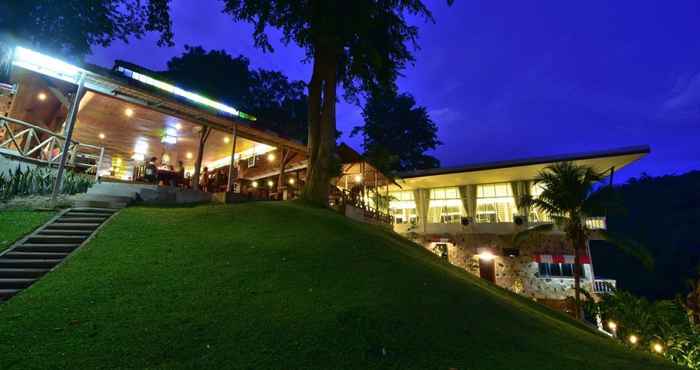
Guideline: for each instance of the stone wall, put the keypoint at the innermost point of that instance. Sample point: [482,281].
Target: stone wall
[518,273]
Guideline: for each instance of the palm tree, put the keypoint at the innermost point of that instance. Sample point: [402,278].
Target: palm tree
[566,196]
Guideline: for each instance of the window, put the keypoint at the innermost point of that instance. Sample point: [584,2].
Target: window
[536,214]
[251,161]
[557,269]
[445,206]
[403,207]
[495,203]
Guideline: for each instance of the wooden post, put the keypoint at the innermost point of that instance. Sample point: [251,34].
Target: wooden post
[200,152]
[231,177]
[286,156]
[70,124]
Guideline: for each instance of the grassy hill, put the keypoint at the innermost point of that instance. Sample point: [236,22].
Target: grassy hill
[16,224]
[279,285]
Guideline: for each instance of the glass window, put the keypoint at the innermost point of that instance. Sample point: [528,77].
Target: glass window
[403,207]
[495,203]
[567,269]
[537,215]
[543,269]
[445,206]
[556,270]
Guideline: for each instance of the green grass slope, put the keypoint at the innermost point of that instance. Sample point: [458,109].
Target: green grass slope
[16,224]
[282,286]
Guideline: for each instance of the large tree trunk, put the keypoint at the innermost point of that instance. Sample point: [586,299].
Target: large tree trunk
[322,96]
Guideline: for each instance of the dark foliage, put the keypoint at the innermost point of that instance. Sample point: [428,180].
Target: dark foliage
[664,214]
[279,104]
[397,133]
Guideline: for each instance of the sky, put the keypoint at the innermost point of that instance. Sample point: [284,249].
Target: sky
[513,79]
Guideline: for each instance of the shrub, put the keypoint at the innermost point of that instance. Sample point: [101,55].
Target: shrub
[39,181]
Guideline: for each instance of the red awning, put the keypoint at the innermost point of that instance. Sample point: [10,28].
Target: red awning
[560,258]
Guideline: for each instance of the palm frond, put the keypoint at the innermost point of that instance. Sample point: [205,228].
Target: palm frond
[629,247]
[525,235]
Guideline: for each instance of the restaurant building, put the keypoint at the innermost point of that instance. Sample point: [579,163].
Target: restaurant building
[468,215]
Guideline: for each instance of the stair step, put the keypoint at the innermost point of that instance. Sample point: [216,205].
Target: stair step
[15,283]
[22,272]
[72,214]
[34,255]
[73,225]
[93,210]
[88,220]
[65,232]
[28,263]
[61,248]
[8,293]
[56,239]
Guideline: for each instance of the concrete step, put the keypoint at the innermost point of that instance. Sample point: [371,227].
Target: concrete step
[84,220]
[22,272]
[6,294]
[15,283]
[99,204]
[65,232]
[34,255]
[56,239]
[72,214]
[107,211]
[72,226]
[60,248]
[106,198]
[28,263]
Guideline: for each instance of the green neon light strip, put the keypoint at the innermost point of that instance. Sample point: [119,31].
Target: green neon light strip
[184,93]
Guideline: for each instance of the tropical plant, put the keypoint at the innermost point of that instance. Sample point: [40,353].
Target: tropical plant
[566,197]
[39,181]
[361,44]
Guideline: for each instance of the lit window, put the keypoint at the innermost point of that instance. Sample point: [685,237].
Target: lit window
[445,206]
[536,214]
[495,203]
[403,207]
[557,270]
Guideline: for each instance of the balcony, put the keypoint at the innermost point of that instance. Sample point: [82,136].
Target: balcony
[604,286]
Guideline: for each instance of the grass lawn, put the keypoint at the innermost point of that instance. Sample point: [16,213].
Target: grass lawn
[16,224]
[282,286]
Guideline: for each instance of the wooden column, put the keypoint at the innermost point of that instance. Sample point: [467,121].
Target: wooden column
[70,124]
[200,152]
[285,156]
[231,177]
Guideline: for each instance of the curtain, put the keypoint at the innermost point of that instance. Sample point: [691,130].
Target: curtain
[464,195]
[469,199]
[520,190]
[421,197]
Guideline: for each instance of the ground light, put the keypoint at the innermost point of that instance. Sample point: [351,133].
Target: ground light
[612,325]
[658,348]
[633,339]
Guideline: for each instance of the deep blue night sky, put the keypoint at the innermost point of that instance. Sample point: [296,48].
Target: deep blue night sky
[509,79]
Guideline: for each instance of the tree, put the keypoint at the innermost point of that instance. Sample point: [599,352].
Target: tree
[397,133]
[566,197]
[71,27]
[278,104]
[361,44]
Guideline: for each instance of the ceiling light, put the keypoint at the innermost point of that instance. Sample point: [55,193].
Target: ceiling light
[255,184]
[178,126]
[271,157]
[129,112]
[189,155]
[226,139]
[291,181]
[41,96]
[270,183]
[102,135]
[358,178]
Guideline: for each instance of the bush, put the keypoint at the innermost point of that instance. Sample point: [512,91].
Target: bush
[39,181]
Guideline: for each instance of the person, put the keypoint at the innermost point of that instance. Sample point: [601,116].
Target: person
[180,173]
[150,173]
[204,182]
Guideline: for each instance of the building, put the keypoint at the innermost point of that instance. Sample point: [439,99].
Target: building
[469,214]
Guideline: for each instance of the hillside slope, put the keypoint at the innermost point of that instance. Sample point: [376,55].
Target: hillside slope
[279,285]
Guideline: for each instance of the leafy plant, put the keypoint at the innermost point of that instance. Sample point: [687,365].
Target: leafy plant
[39,181]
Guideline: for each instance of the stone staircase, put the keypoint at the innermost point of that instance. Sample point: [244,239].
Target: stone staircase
[38,253]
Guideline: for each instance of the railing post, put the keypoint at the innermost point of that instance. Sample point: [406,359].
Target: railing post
[70,124]
[98,164]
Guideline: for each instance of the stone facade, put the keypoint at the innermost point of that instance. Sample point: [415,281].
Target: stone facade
[520,273]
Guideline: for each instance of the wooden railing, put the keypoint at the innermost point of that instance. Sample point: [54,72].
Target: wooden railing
[368,211]
[30,142]
[604,286]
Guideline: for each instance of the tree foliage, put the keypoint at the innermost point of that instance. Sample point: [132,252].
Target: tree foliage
[360,44]
[279,104]
[397,133]
[71,27]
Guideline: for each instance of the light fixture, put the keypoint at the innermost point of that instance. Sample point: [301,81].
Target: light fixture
[271,157]
[291,181]
[102,136]
[658,348]
[633,339]
[486,256]
[270,183]
[255,184]
[178,126]
[129,112]
[183,93]
[41,96]
[138,156]
[188,155]
[165,158]
[612,325]
[46,65]
[358,178]
[226,140]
